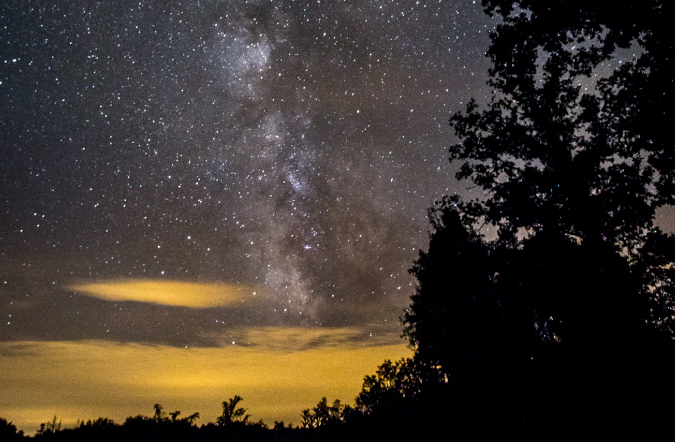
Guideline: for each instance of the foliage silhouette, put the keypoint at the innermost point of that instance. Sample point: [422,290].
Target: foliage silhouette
[8,432]
[232,414]
[101,422]
[560,322]
[174,415]
[50,426]
[324,415]
[160,415]
[308,419]
[191,419]
[393,383]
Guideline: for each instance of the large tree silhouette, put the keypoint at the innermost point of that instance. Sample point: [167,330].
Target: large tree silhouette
[564,319]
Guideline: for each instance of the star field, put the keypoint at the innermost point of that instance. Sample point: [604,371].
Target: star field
[291,147]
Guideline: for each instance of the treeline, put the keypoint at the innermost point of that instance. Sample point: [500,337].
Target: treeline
[385,408]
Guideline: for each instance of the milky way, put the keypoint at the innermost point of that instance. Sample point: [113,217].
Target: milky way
[288,147]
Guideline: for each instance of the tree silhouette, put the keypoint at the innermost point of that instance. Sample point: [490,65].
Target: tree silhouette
[635,100]
[101,422]
[191,419]
[280,426]
[50,427]
[174,415]
[321,412]
[324,415]
[232,414]
[8,432]
[160,415]
[395,383]
[308,418]
[403,400]
[453,283]
[559,320]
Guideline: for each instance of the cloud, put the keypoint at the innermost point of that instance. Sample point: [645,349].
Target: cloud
[88,379]
[173,293]
[294,339]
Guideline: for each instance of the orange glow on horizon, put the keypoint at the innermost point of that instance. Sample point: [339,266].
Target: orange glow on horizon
[174,293]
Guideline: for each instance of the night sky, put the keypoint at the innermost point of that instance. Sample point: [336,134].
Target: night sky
[208,198]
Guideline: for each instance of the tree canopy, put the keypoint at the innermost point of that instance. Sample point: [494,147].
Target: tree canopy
[573,295]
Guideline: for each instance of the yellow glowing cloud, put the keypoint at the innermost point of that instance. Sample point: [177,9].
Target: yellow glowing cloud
[85,380]
[183,294]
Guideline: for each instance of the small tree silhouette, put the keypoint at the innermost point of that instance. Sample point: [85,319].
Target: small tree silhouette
[321,412]
[191,418]
[159,413]
[174,415]
[308,419]
[232,414]
[50,427]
